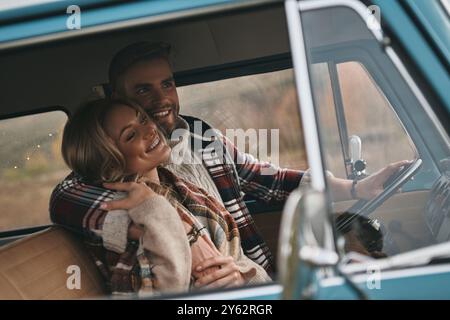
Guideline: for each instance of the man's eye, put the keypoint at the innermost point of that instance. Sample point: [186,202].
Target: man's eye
[141,91]
[167,85]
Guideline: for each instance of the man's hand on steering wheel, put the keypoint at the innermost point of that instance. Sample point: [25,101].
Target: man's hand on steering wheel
[371,186]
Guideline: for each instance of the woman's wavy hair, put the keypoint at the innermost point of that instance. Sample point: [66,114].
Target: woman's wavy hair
[86,147]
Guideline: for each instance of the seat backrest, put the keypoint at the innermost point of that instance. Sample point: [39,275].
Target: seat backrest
[36,267]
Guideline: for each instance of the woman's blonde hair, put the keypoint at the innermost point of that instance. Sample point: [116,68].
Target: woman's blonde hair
[86,147]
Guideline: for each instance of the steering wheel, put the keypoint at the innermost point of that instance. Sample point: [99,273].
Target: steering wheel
[392,184]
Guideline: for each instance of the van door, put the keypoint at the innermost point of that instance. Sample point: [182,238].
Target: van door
[370,113]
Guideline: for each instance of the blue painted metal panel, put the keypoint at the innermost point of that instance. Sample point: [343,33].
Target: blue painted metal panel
[410,287]
[100,16]
[436,21]
[417,47]
[46,8]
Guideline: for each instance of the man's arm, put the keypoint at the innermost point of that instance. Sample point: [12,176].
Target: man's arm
[367,188]
[76,206]
[263,180]
[277,185]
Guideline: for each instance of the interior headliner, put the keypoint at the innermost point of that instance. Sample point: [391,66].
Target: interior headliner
[63,73]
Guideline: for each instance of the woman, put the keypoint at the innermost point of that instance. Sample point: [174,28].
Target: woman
[114,141]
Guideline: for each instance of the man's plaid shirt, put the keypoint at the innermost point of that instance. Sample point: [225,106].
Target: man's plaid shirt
[75,204]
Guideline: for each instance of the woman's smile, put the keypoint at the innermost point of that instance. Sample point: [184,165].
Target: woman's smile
[137,138]
[154,144]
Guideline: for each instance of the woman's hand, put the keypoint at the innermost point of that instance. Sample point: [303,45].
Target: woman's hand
[371,186]
[137,194]
[201,251]
[228,274]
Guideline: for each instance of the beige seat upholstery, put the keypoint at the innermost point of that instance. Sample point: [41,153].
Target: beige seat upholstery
[35,267]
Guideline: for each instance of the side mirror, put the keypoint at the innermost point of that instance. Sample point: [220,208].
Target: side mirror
[355,146]
[306,242]
[358,165]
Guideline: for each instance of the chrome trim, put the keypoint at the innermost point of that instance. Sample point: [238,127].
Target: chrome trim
[318,257]
[304,95]
[284,242]
[239,293]
[414,258]
[340,116]
[133,23]
[390,274]
[10,5]
[446,5]
[356,6]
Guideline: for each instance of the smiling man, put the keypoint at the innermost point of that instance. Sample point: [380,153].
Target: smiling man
[142,72]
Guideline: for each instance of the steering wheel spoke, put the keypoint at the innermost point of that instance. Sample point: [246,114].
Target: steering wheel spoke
[395,182]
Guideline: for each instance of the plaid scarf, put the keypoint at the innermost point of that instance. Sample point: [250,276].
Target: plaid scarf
[237,174]
[130,271]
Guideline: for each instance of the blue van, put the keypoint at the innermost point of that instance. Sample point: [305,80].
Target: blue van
[346,87]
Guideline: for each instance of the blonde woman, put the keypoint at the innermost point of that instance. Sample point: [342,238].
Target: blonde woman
[188,234]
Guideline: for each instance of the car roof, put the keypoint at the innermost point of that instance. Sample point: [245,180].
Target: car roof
[49,18]
[62,71]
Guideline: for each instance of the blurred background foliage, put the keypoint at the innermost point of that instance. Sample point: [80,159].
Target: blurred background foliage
[31,165]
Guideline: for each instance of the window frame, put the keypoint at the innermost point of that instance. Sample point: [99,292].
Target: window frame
[241,68]
[413,85]
[35,112]
[340,114]
[383,79]
[14,234]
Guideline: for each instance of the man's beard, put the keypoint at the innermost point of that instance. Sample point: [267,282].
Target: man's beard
[166,123]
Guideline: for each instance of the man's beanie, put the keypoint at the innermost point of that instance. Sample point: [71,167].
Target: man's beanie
[133,53]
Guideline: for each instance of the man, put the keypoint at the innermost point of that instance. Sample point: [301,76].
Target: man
[142,72]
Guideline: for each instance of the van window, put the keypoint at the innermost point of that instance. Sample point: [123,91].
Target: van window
[371,117]
[253,103]
[30,168]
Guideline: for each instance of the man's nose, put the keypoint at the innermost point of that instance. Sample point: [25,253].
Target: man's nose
[160,98]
